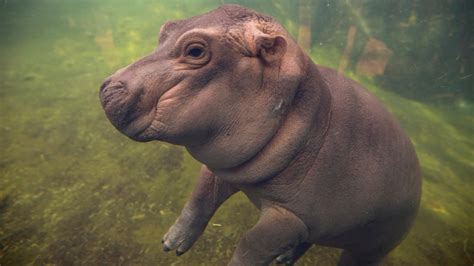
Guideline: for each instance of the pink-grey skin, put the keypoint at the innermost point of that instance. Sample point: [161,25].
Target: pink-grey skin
[320,157]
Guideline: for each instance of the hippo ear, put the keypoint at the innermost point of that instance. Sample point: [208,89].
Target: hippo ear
[270,48]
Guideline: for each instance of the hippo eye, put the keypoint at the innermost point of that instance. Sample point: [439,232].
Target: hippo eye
[195,51]
[196,54]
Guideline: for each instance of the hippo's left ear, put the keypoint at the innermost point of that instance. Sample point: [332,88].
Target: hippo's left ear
[270,48]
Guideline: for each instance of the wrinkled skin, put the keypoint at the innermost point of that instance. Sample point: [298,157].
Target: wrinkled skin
[319,156]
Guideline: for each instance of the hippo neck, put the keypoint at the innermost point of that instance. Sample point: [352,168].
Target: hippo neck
[308,115]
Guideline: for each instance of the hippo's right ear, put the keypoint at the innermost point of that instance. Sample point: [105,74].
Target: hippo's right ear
[270,48]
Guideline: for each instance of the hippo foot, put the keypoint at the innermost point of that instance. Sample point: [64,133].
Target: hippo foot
[183,233]
[292,255]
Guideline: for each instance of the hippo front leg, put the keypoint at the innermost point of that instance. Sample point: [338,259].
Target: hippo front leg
[277,231]
[209,193]
[292,255]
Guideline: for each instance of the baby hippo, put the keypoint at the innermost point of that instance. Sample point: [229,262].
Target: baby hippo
[318,155]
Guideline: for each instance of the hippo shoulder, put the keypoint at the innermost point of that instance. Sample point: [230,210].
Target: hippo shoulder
[351,98]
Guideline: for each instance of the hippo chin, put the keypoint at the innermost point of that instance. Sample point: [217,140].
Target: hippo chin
[319,156]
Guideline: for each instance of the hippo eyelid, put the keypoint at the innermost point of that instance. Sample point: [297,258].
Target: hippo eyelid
[194,43]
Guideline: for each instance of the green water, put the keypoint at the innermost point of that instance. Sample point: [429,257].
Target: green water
[75,191]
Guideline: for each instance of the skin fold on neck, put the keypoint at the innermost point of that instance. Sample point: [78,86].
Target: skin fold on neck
[309,109]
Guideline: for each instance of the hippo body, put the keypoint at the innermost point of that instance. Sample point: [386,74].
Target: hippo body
[319,156]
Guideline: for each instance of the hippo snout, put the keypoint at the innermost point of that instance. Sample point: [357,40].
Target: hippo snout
[111,92]
[120,104]
[128,104]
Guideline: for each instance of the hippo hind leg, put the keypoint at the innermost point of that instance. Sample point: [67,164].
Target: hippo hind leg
[369,244]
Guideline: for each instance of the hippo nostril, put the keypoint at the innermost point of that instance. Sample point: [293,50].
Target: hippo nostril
[104,85]
[111,86]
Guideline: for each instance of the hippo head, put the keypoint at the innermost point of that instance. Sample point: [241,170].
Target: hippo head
[218,84]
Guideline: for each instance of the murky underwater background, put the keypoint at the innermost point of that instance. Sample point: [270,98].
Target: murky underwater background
[74,191]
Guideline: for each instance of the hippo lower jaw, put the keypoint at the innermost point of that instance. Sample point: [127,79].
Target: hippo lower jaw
[142,129]
[149,127]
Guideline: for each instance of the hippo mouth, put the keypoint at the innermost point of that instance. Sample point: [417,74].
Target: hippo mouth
[142,129]
[133,111]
